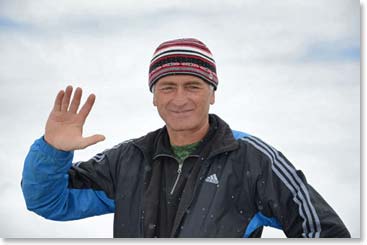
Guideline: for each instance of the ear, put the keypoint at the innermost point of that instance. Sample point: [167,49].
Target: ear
[154,100]
[212,98]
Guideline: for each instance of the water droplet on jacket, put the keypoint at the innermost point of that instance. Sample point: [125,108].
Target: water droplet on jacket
[203,209]
[260,207]
[248,173]
[188,211]
[151,226]
[212,216]
[147,168]
[232,197]
[241,211]
[181,227]
[275,205]
[218,186]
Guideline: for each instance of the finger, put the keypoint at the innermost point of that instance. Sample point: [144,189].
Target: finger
[87,107]
[66,100]
[91,140]
[76,100]
[57,104]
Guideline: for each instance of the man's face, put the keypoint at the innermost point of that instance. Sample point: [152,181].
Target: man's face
[183,101]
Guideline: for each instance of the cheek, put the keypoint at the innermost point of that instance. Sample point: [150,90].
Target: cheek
[157,100]
[160,104]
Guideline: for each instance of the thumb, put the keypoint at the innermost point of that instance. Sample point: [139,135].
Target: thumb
[91,140]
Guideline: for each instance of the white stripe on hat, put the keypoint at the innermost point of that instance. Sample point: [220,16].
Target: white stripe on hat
[200,52]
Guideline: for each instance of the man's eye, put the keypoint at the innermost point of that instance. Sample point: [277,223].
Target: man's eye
[167,88]
[194,87]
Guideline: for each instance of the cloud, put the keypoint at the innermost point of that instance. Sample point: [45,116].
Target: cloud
[332,51]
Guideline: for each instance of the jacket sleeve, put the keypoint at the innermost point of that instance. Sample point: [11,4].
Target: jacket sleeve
[285,200]
[47,180]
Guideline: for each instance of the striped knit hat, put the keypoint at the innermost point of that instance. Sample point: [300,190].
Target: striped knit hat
[186,56]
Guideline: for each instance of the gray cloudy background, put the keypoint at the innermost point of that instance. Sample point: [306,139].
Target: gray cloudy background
[289,73]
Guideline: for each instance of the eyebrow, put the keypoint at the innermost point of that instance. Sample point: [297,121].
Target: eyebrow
[166,83]
[194,82]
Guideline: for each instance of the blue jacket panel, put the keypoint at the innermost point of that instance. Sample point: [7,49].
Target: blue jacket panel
[45,187]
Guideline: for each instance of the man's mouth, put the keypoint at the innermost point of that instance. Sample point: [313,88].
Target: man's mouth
[181,112]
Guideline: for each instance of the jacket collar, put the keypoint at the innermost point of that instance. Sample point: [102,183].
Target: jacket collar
[219,139]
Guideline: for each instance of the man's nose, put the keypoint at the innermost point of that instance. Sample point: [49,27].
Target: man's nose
[180,97]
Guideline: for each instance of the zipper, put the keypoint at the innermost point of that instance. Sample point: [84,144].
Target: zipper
[203,172]
[179,172]
[179,169]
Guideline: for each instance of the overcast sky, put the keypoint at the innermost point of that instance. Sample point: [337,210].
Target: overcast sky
[289,73]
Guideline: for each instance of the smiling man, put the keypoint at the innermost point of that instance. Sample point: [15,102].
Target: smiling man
[195,177]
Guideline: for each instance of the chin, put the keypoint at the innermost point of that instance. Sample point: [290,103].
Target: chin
[180,124]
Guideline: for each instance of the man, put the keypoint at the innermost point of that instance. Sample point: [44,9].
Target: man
[195,177]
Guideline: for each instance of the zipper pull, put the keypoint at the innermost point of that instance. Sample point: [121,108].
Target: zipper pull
[180,167]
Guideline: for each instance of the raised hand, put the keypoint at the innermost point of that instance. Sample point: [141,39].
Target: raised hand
[64,127]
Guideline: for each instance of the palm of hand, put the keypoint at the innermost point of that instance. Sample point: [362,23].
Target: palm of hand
[64,127]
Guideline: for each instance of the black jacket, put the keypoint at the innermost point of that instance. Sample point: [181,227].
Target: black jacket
[233,188]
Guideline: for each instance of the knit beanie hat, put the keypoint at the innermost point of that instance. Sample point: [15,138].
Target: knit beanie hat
[187,56]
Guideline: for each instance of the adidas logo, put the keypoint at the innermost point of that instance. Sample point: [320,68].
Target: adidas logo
[212,179]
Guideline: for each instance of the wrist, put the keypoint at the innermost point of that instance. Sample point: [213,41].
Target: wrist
[49,149]
[51,145]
